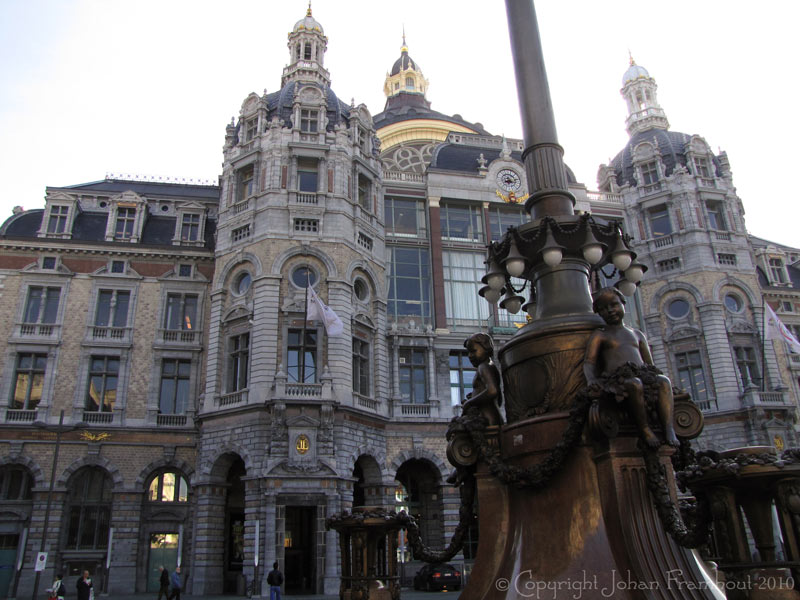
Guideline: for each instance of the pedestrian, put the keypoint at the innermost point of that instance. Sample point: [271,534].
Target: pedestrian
[85,588]
[275,580]
[57,591]
[163,581]
[175,584]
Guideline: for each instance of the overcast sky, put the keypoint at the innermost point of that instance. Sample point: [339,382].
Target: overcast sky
[95,86]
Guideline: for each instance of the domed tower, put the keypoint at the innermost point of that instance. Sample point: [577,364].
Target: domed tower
[307,46]
[405,77]
[700,298]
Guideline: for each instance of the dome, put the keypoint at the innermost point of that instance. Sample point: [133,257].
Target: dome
[281,104]
[308,23]
[404,63]
[634,72]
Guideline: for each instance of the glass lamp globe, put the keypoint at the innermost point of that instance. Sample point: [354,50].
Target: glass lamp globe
[592,253]
[492,295]
[634,273]
[552,256]
[496,281]
[515,266]
[622,259]
[513,305]
[628,288]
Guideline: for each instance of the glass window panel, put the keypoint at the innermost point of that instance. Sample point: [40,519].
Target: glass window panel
[51,305]
[152,493]
[89,527]
[74,526]
[33,305]
[103,315]
[190,312]
[172,320]
[168,487]
[121,310]
[167,396]
[183,491]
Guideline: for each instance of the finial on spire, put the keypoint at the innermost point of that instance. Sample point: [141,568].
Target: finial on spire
[630,57]
[404,47]
[308,12]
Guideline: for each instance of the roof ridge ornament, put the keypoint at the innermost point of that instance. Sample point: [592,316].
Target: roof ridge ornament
[630,58]
[308,12]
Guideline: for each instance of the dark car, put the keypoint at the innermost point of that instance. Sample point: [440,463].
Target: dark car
[437,577]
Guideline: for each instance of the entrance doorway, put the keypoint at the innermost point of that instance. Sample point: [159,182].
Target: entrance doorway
[163,552]
[299,550]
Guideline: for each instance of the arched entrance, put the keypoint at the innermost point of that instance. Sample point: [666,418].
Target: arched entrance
[420,494]
[367,488]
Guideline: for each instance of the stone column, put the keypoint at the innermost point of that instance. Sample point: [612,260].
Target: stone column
[263,333]
[209,539]
[269,543]
[213,383]
[720,357]
[332,566]
[125,519]
[340,348]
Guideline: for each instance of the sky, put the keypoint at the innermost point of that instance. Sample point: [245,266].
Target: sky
[89,87]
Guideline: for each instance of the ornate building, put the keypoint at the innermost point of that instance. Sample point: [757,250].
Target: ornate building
[208,422]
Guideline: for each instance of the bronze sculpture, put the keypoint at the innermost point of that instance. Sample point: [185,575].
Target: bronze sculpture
[485,394]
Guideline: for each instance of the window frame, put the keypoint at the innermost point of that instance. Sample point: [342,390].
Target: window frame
[26,482]
[181,483]
[309,120]
[412,369]
[45,305]
[105,374]
[422,265]
[85,504]
[177,378]
[475,233]
[312,350]
[391,210]
[659,213]
[31,372]
[183,296]
[460,387]
[692,364]
[237,362]
[361,365]
[747,365]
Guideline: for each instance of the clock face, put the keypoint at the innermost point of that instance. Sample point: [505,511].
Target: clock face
[508,180]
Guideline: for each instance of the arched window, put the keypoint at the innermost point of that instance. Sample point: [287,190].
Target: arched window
[409,83]
[89,509]
[169,486]
[15,484]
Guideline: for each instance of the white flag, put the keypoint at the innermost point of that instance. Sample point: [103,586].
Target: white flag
[319,311]
[775,330]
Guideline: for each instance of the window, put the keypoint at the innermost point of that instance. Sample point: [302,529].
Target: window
[787,306]
[410,284]
[103,378]
[716,216]
[365,241]
[190,228]
[112,308]
[241,233]
[169,486]
[174,395]
[691,376]
[307,175]
[245,180]
[184,270]
[410,83]
[238,361]
[301,355]
[251,129]
[500,220]
[117,266]
[126,216]
[58,219]
[670,264]
[243,282]
[659,221]
[649,172]
[15,484]
[461,223]
[41,306]
[404,217]
[361,367]
[678,308]
[309,120]
[461,375]
[48,262]
[776,270]
[89,510]
[361,138]
[181,312]
[364,186]
[462,279]
[747,365]
[701,166]
[307,51]
[726,259]
[304,276]
[733,303]
[306,225]
[28,381]
[413,380]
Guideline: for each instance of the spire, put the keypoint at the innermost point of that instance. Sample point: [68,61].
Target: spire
[404,47]
[639,91]
[308,12]
[630,56]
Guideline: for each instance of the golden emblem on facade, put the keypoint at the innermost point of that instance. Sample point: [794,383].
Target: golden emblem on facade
[779,443]
[303,444]
[94,437]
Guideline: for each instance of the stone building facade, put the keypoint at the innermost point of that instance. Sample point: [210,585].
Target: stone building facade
[209,422]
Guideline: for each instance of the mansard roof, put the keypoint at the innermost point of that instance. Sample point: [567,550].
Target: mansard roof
[458,157]
[280,104]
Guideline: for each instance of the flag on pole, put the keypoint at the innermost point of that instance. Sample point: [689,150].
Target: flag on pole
[775,330]
[319,311]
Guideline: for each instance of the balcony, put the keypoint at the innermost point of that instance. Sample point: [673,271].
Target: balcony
[163,420]
[20,416]
[404,177]
[755,397]
[114,334]
[290,390]
[663,241]
[366,402]
[94,417]
[232,399]
[707,182]
[306,198]
[41,331]
[604,197]
[722,236]
[179,336]
[240,207]
[415,410]
[794,360]
[653,188]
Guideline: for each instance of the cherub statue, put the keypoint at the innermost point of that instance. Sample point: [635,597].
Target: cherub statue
[485,393]
[617,357]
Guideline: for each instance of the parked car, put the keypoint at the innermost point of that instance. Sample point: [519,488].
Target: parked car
[437,577]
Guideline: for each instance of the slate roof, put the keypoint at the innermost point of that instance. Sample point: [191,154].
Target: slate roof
[458,157]
[404,63]
[407,106]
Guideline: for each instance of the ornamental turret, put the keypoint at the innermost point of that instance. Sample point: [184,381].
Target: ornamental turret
[307,45]
[639,91]
[405,76]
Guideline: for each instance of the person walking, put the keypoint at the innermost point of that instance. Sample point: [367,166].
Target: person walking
[57,591]
[85,587]
[175,584]
[275,580]
[163,582]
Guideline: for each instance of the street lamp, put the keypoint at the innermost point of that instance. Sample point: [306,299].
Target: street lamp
[59,429]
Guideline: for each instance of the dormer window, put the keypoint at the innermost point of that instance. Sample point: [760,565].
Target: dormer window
[777,271]
[701,168]
[126,218]
[410,83]
[190,228]
[309,120]
[649,171]
[58,219]
[251,129]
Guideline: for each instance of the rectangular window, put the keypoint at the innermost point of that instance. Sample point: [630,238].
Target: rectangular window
[238,361]
[41,306]
[659,221]
[501,219]
[307,175]
[103,377]
[691,375]
[404,217]
[413,376]
[306,225]
[410,284]
[28,381]
[365,241]
[364,187]
[241,233]
[462,273]
[776,270]
[701,166]
[181,312]
[185,270]
[48,262]
[174,395]
[362,139]
[462,374]
[251,129]
[649,173]
[461,223]
[112,308]
[245,181]
[309,120]
[301,357]
[669,264]
[126,216]
[361,367]
[716,216]
[726,259]
[58,219]
[747,365]
[787,306]
[117,266]
[190,228]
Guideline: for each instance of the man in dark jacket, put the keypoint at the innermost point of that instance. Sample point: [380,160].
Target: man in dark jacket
[275,580]
[163,581]
[175,583]
[84,586]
